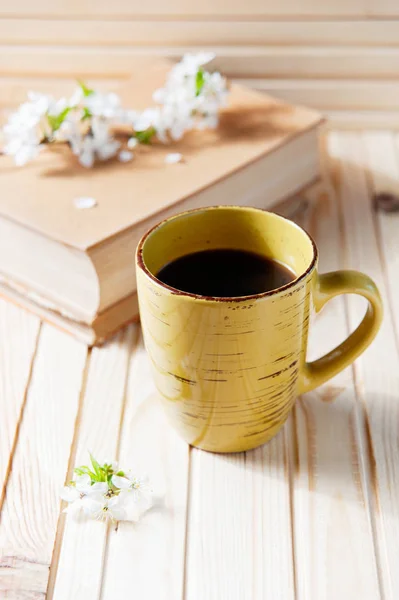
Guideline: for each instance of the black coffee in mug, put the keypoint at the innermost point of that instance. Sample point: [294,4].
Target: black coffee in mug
[224,272]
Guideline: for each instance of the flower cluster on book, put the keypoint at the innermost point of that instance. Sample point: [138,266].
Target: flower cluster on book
[190,99]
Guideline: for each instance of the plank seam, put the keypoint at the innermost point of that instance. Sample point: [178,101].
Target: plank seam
[133,345]
[363,439]
[291,460]
[384,270]
[69,475]
[188,514]
[206,18]
[20,419]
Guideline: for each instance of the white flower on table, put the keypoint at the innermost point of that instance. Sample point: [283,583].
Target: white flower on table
[80,495]
[105,507]
[137,488]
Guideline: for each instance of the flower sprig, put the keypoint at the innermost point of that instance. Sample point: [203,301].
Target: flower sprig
[105,492]
[190,99]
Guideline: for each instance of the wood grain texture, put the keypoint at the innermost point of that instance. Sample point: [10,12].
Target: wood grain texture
[201,32]
[331,95]
[237,538]
[18,341]
[79,574]
[217,8]
[31,507]
[242,61]
[148,556]
[372,245]
[330,483]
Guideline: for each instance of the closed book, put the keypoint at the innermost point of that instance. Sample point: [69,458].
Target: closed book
[75,267]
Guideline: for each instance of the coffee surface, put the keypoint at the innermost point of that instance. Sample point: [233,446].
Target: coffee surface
[224,273]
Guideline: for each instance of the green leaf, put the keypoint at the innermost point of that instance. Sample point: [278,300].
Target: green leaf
[199,81]
[86,90]
[144,137]
[120,473]
[86,114]
[83,470]
[98,470]
[55,122]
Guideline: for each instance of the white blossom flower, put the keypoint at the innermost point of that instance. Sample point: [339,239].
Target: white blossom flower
[190,64]
[77,97]
[79,495]
[23,148]
[96,143]
[190,99]
[146,119]
[104,105]
[103,507]
[138,487]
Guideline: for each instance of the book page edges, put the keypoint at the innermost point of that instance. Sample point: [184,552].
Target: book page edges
[103,327]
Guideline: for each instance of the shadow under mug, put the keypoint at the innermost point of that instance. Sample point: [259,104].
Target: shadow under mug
[229,369]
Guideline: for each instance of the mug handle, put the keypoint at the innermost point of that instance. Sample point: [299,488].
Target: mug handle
[327,286]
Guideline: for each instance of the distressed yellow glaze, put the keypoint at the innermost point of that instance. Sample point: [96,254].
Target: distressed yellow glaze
[230,369]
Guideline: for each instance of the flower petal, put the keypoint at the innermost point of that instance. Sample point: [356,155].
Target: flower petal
[74,507]
[100,487]
[69,493]
[173,158]
[85,202]
[121,482]
[91,506]
[82,482]
[118,513]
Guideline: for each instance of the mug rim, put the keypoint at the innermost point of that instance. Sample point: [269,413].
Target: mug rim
[141,264]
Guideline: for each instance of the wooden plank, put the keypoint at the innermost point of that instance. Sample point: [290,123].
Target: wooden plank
[334,547]
[243,61]
[373,247]
[360,120]
[136,32]
[31,507]
[18,341]
[239,528]
[331,94]
[148,556]
[78,574]
[157,8]
[326,95]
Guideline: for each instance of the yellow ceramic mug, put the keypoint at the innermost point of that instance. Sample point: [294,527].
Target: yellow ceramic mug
[229,369]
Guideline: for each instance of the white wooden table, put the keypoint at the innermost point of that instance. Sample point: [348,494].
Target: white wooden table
[313,515]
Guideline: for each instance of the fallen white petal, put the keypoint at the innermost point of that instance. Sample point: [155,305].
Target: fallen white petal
[85,202]
[125,156]
[173,158]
